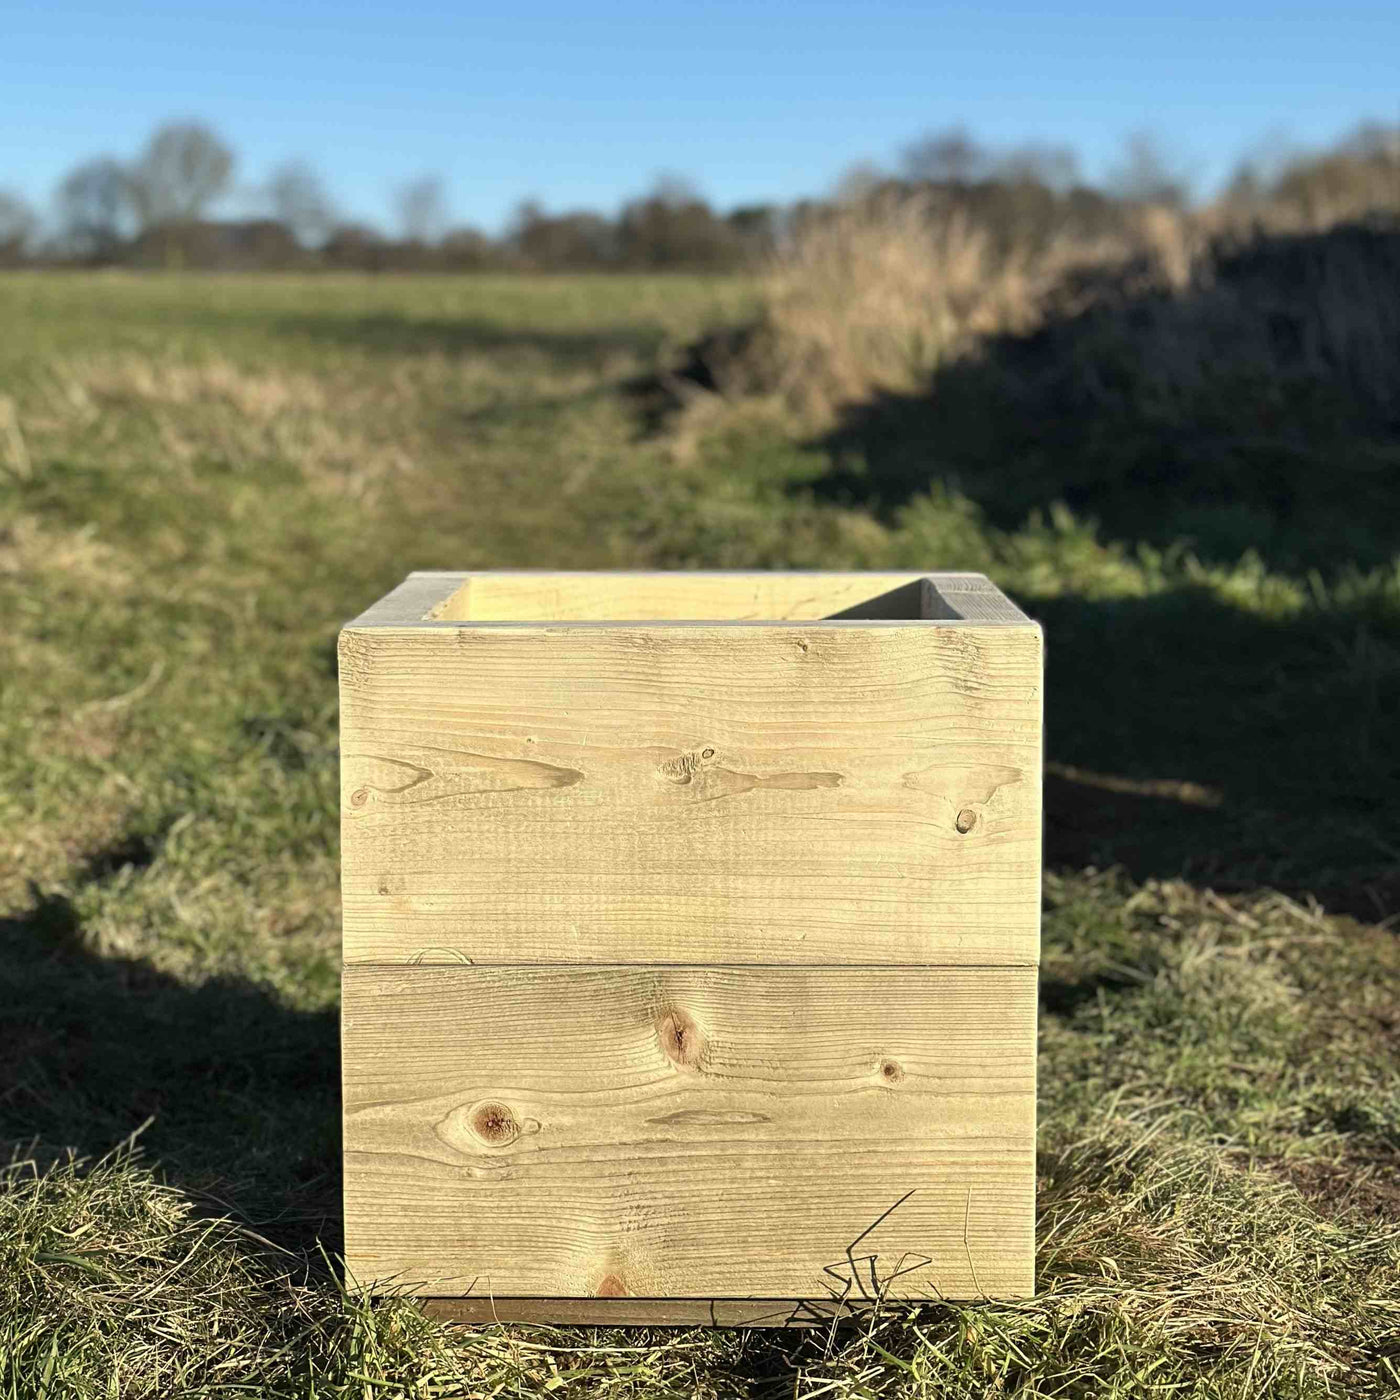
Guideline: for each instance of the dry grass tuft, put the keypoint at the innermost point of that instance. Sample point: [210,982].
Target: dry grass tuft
[106,1273]
[881,292]
[346,438]
[27,547]
[259,397]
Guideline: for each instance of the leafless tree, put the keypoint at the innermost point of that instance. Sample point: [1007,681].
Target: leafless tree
[1039,163]
[421,205]
[300,201]
[671,190]
[950,156]
[1147,175]
[576,240]
[183,169]
[1373,141]
[673,226]
[1261,167]
[956,157]
[92,201]
[18,223]
[858,182]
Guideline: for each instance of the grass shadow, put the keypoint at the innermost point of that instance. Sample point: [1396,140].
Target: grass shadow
[1187,738]
[396,335]
[243,1091]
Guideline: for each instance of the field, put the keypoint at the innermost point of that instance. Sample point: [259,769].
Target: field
[200,479]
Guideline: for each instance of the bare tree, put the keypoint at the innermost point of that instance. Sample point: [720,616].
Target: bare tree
[300,201]
[858,182]
[93,201]
[1039,163]
[577,240]
[183,169]
[1373,141]
[1147,175]
[1260,169]
[955,157]
[946,157]
[421,205]
[672,190]
[18,223]
[673,226]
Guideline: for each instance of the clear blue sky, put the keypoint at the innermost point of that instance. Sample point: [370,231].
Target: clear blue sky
[584,103]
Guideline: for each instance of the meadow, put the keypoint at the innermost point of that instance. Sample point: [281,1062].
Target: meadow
[202,478]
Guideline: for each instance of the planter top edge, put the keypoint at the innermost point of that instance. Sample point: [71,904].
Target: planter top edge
[367,623]
[688,598]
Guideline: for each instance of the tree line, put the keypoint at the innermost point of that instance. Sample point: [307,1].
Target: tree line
[155,210]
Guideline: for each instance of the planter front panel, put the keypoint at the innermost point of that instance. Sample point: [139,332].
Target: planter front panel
[838,792]
[692,1132]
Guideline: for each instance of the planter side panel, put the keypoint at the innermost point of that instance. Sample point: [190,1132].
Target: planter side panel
[830,793]
[690,1132]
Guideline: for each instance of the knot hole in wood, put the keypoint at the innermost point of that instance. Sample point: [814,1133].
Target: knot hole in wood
[494,1123]
[680,1038]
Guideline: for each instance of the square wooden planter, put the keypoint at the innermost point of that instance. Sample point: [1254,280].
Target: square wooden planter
[691,925]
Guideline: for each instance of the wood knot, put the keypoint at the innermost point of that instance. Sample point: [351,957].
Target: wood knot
[685,766]
[611,1286]
[359,797]
[680,1038]
[891,1072]
[967,819]
[495,1123]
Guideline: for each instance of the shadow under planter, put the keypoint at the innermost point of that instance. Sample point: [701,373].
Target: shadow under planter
[241,1091]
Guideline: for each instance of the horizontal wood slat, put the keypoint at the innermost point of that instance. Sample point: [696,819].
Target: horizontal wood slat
[868,793]
[690,1132]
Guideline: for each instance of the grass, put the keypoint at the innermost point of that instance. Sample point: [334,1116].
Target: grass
[1190,380]
[202,478]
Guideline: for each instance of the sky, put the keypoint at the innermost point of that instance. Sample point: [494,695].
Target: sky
[585,104]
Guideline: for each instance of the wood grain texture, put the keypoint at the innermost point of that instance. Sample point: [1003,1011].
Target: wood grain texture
[853,792]
[690,1132]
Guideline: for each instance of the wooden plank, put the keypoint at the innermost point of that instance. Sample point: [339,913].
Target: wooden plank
[644,1312]
[543,596]
[852,792]
[690,1132]
[546,596]
[419,598]
[675,595]
[970,598]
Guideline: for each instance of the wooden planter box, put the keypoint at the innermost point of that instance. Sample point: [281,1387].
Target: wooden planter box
[691,931]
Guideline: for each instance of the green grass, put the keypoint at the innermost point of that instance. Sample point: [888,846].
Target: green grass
[208,476]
